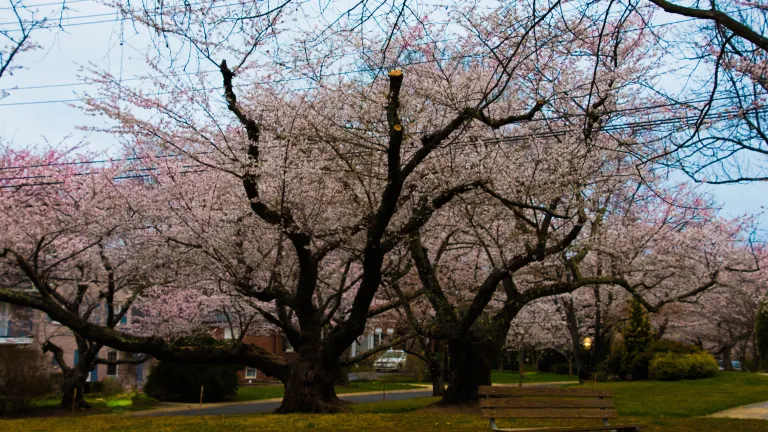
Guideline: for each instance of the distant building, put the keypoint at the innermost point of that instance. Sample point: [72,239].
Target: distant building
[20,326]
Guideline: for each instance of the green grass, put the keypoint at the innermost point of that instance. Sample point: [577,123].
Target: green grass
[381,420]
[513,377]
[126,402]
[276,391]
[663,406]
[688,398]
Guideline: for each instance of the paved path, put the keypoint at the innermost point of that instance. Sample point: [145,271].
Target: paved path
[755,411]
[269,405]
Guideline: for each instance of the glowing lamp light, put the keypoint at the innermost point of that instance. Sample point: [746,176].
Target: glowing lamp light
[587,343]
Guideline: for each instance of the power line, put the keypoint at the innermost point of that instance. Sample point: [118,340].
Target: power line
[510,139]
[182,7]
[60,2]
[12,89]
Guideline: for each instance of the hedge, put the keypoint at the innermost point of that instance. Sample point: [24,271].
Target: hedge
[674,367]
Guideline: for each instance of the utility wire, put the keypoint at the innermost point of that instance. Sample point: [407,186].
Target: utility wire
[511,139]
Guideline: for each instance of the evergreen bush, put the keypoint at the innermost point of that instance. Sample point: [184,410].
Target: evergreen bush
[176,382]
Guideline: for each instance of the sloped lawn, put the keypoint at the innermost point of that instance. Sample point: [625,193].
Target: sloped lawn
[664,406]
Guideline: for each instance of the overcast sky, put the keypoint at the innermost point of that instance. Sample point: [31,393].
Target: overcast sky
[33,114]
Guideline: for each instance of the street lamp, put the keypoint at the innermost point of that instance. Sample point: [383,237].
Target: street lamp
[587,343]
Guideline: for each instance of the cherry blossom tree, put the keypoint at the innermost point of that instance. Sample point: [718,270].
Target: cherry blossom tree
[294,198]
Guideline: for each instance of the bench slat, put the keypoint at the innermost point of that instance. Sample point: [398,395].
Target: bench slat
[549,413]
[539,391]
[546,403]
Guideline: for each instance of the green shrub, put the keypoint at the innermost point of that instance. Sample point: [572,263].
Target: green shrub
[701,365]
[672,366]
[640,366]
[181,382]
[142,400]
[23,376]
[110,386]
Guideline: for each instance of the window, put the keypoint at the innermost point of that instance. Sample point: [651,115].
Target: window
[112,368]
[287,347]
[116,307]
[376,338]
[230,334]
[251,373]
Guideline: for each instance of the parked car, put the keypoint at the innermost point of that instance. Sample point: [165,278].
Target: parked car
[736,365]
[390,361]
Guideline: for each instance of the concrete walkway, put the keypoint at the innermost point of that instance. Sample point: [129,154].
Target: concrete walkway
[757,411]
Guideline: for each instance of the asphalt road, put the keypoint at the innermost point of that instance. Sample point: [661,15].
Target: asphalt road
[262,407]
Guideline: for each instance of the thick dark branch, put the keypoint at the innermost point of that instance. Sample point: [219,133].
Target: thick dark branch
[516,204]
[425,210]
[446,317]
[395,125]
[394,304]
[243,354]
[657,307]
[558,288]
[431,141]
[253,132]
[133,361]
[360,357]
[485,293]
[737,27]
[497,123]
[58,354]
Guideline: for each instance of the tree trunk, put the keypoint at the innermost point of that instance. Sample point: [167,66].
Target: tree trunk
[73,389]
[470,368]
[438,384]
[342,378]
[310,388]
[727,358]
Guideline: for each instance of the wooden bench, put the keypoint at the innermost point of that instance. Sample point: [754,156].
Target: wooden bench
[531,402]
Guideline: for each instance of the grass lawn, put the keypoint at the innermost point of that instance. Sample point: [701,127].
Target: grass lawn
[410,415]
[688,398]
[663,406]
[276,391]
[127,402]
[513,377]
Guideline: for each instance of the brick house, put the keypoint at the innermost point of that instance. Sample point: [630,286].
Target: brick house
[20,326]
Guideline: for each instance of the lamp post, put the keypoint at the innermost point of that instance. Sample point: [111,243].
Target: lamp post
[585,372]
